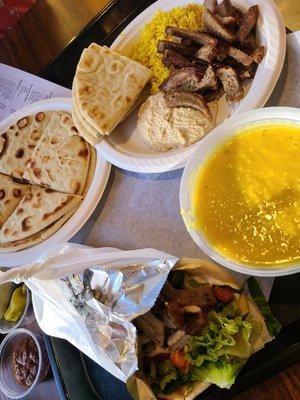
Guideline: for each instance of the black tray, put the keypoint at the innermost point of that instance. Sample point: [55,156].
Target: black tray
[78,377]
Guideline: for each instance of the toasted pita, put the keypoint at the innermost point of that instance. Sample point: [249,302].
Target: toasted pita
[38,209]
[61,158]
[11,193]
[37,237]
[92,140]
[106,86]
[91,171]
[18,142]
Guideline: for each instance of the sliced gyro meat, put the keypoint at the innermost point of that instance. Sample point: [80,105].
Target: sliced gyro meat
[231,84]
[210,5]
[172,59]
[152,327]
[179,48]
[184,79]
[249,43]
[213,25]
[248,23]
[196,323]
[201,296]
[247,72]
[258,54]
[226,9]
[209,80]
[240,56]
[207,53]
[177,340]
[192,100]
[173,315]
[197,37]
[222,50]
[168,291]
[227,21]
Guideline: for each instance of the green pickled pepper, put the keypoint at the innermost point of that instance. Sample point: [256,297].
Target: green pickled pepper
[17,304]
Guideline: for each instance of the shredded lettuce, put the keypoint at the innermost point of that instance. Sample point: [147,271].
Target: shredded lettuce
[221,373]
[273,325]
[167,373]
[222,336]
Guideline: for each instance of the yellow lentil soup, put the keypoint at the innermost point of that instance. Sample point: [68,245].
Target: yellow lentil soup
[246,196]
[145,50]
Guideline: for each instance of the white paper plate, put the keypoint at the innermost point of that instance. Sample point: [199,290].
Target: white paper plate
[81,215]
[126,149]
[207,146]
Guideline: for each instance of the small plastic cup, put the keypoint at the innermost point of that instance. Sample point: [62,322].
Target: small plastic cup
[8,383]
[26,318]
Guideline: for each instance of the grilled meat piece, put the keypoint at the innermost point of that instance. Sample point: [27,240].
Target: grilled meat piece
[197,37]
[179,48]
[201,296]
[192,100]
[249,43]
[209,80]
[210,4]
[230,81]
[152,327]
[258,54]
[176,60]
[213,25]
[168,291]
[196,323]
[226,9]
[222,49]
[207,53]
[173,316]
[153,350]
[184,79]
[177,340]
[246,73]
[226,21]
[239,56]
[248,23]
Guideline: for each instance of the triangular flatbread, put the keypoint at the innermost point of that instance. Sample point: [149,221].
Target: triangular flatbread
[106,85]
[11,193]
[60,160]
[18,142]
[38,209]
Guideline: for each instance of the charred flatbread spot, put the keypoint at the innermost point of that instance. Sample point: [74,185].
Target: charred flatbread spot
[40,117]
[128,99]
[77,188]
[25,224]
[7,201]
[19,153]
[65,119]
[27,197]
[22,122]
[6,231]
[20,211]
[2,194]
[83,153]
[31,146]
[17,193]
[35,135]
[54,140]
[57,209]
[4,145]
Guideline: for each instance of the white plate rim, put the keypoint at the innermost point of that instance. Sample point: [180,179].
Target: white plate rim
[230,126]
[88,205]
[163,162]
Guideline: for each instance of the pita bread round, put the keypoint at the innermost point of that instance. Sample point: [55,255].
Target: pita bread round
[61,158]
[92,140]
[18,142]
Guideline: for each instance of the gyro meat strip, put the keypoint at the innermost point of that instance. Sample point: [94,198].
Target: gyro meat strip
[210,4]
[226,21]
[248,22]
[209,80]
[168,291]
[172,59]
[222,49]
[197,37]
[249,43]
[184,79]
[179,48]
[247,73]
[152,327]
[226,9]
[230,81]
[196,323]
[177,340]
[173,316]
[207,53]
[201,296]
[240,56]
[258,54]
[191,100]
[213,25]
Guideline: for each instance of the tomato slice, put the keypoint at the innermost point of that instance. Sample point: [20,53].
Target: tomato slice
[222,294]
[178,359]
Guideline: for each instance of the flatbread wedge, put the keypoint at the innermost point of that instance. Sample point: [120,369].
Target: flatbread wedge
[38,209]
[83,131]
[18,142]
[106,85]
[60,160]
[11,193]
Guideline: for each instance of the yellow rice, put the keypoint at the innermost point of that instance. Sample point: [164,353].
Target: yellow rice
[144,51]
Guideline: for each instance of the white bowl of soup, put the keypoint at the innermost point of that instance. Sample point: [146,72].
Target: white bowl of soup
[240,192]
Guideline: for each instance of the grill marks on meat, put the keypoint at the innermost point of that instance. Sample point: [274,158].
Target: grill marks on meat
[201,296]
[179,48]
[197,37]
[152,327]
[213,25]
[248,23]
[192,100]
[231,84]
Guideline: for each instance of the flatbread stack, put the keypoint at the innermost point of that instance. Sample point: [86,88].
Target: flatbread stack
[46,168]
[105,87]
